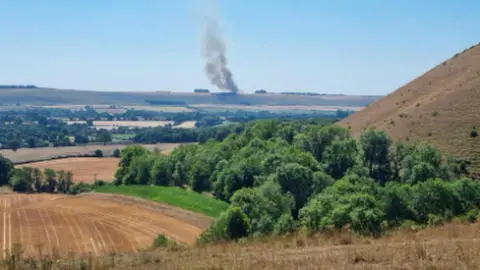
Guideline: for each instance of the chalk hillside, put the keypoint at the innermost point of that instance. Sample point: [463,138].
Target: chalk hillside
[442,106]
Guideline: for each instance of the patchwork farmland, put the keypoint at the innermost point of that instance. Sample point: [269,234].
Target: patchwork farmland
[60,225]
[26,155]
[85,170]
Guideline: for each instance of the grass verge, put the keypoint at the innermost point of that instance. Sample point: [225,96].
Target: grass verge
[171,195]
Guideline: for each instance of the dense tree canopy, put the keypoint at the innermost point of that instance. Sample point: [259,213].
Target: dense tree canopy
[288,174]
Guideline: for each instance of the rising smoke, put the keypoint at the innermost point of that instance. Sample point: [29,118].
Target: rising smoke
[215,53]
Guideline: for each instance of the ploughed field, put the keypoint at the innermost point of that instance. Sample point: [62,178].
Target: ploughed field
[97,224]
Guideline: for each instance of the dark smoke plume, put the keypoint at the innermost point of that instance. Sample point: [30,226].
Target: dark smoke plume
[215,54]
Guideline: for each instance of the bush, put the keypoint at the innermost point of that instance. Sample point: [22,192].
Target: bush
[116,153]
[99,183]
[474,133]
[285,224]
[98,153]
[80,188]
[160,241]
[232,224]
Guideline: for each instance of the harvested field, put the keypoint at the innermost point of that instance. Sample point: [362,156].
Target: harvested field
[85,170]
[64,225]
[274,108]
[129,124]
[25,155]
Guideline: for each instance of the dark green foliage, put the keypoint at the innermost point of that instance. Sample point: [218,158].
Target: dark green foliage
[232,224]
[6,170]
[474,133]
[80,188]
[375,146]
[298,181]
[340,156]
[116,153]
[285,224]
[161,172]
[285,175]
[98,153]
[160,241]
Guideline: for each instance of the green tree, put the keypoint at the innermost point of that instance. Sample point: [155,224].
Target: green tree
[179,175]
[6,170]
[161,172]
[116,153]
[341,156]
[98,153]
[375,146]
[37,179]
[298,180]
[199,176]
[318,139]
[50,180]
[14,145]
[104,136]
[237,223]
[125,172]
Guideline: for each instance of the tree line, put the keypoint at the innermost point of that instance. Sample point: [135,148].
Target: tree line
[33,180]
[281,176]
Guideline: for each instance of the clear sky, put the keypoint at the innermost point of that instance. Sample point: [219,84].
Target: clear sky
[350,47]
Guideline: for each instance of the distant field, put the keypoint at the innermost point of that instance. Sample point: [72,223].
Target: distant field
[117,124]
[24,155]
[171,195]
[85,170]
[120,108]
[272,108]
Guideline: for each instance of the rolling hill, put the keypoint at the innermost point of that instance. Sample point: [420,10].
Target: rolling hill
[49,96]
[442,106]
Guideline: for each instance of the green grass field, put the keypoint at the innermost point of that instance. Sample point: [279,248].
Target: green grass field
[171,195]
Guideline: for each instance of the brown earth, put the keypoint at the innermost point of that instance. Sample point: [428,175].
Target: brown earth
[63,225]
[441,107]
[24,155]
[85,170]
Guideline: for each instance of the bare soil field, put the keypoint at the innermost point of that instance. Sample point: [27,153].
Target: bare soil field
[85,170]
[24,155]
[440,106]
[96,224]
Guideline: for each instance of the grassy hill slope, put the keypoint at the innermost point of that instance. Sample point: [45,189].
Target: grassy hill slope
[170,195]
[441,106]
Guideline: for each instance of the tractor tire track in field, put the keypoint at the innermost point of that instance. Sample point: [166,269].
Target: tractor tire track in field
[87,224]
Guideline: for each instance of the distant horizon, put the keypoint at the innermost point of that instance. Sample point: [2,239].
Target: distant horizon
[349,47]
[212,91]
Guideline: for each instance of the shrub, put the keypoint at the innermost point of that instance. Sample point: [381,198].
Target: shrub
[98,153]
[471,216]
[160,241]
[474,133]
[285,224]
[80,188]
[116,153]
[232,224]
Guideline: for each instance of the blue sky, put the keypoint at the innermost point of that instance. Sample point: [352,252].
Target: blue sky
[350,47]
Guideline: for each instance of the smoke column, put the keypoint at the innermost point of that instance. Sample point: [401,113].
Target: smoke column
[215,53]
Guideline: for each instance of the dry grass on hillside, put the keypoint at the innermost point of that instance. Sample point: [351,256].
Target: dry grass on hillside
[452,246]
[441,107]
